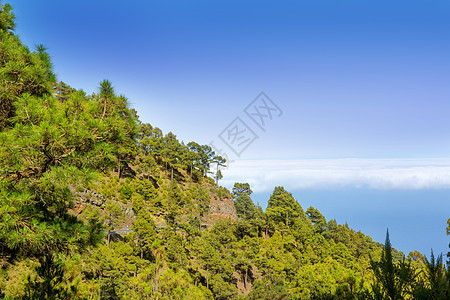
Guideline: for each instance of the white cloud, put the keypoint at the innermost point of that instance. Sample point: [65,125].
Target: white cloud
[386,174]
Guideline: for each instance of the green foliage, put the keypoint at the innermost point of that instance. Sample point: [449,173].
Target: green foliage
[202,157]
[15,280]
[393,280]
[21,71]
[448,230]
[282,207]
[201,196]
[174,204]
[179,285]
[47,144]
[115,213]
[245,208]
[62,91]
[126,191]
[7,18]
[51,282]
[435,284]
[317,219]
[325,279]
[218,176]
[110,268]
[270,287]
[144,233]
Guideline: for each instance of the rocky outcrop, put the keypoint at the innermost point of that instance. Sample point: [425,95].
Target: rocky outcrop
[92,197]
[221,209]
[89,197]
[218,208]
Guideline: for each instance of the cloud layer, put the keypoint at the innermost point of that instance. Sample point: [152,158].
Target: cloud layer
[384,174]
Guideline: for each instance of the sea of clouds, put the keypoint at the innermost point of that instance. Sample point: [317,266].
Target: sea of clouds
[383,174]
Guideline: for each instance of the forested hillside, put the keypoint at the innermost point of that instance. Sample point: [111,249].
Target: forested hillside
[95,204]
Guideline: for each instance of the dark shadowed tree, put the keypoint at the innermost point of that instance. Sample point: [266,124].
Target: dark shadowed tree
[392,280]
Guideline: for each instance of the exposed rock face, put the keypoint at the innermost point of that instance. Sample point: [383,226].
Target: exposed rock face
[128,211]
[221,209]
[89,197]
[93,197]
[218,208]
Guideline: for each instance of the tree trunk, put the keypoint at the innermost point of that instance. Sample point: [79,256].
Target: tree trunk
[99,286]
[217,178]
[171,176]
[245,279]
[155,283]
[207,277]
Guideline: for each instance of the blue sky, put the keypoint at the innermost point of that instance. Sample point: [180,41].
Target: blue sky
[365,80]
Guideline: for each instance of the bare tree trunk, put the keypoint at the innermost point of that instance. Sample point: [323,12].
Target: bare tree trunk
[245,279]
[217,178]
[99,286]
[207,277]
[155,284]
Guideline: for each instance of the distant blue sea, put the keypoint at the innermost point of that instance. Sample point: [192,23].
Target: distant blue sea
[417,220]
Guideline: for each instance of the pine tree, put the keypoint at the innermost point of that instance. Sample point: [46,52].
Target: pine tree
[144,228]
[47,146]
[393,280]
[318,220]
[21,71]
[282,207]
[245,208]
[218,176]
